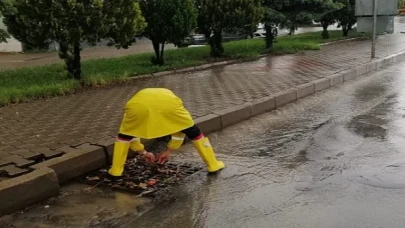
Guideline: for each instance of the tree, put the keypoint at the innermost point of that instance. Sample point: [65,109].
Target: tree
[3,35]
[401,3]
[271,19]
[168,21]
[216,16]
[327,20]
[26,24]
[71,22]
[346,16]
[5,6]
[303,12]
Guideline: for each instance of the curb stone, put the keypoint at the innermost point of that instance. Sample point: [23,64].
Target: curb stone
[234,115]
[322,84]
[305,90]
[339,41]
[22,190]
[209,124]
[286,97]
[182,70]
[350,75]
[336,79]
[263,105]
[86,158]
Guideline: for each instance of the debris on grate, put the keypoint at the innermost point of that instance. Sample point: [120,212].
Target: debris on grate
[140,177]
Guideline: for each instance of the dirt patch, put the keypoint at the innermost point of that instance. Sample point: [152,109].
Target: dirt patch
[140,177]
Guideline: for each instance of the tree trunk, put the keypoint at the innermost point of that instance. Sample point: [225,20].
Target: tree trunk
[249,32]
[158,58]
[345,30]
[349,28]
[269,37]
[72,59]
[216,44]
[292,30]
[161,54]
[77,65]
[325,32]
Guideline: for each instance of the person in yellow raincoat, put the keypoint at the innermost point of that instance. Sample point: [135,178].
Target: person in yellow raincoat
[154,113]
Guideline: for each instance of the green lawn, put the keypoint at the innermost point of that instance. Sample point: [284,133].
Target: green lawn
[46,81]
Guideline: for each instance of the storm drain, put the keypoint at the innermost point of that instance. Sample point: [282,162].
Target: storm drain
[141,178]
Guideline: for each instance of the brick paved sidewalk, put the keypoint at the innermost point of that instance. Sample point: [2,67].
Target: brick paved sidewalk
[44,129]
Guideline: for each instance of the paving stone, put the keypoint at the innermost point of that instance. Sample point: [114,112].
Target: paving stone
[19,161]
[48,153]
[26,154]
[13,171]
[4,162]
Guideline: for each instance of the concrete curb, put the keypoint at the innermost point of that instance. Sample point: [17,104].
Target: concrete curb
[185,70]
[34,187]
[84,159]
[339,41]
[44,181]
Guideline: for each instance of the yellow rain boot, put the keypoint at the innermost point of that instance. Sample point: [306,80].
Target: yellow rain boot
[119,158]
[207,154]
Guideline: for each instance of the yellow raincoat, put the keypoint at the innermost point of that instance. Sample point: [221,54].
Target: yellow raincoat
[154,113]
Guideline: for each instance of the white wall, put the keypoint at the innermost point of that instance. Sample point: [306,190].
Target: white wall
[12,44]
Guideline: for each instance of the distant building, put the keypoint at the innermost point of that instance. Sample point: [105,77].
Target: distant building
[12,44]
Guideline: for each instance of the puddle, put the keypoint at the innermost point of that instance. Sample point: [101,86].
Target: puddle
[381,180]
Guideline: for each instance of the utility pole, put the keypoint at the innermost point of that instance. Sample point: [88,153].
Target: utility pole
[374,29]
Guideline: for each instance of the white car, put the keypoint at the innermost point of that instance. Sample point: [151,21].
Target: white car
[261,32]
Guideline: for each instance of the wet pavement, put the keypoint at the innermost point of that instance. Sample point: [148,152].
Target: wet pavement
[335,159]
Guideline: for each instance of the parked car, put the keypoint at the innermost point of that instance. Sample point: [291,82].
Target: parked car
[199,39]
[261,32]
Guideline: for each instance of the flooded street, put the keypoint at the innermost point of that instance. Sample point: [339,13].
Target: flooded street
[336,159]
[333,160]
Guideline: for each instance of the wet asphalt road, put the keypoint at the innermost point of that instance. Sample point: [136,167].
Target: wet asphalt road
[333,160]
[336,159]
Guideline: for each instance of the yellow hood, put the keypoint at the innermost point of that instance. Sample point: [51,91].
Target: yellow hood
[153,113]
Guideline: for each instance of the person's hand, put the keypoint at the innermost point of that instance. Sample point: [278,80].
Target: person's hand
[149,157]
[163,157]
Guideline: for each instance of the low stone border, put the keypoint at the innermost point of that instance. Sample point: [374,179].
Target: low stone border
[185,70]
[44,182]
[28,189]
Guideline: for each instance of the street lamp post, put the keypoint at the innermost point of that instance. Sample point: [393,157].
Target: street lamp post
[374,28]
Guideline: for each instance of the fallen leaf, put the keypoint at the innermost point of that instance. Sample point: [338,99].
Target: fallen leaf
[93,178]
[151,182]
[162,170]
[142,185]
[130,184]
